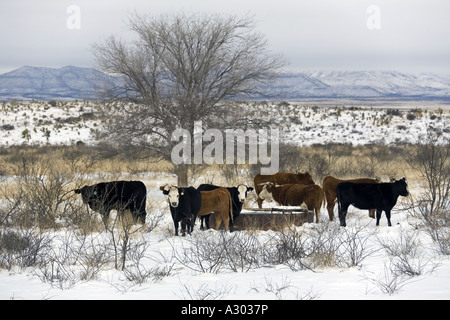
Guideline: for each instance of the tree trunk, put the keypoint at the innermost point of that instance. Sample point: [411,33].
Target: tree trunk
[182,173]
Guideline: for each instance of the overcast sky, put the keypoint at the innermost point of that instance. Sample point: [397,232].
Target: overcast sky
[404,35]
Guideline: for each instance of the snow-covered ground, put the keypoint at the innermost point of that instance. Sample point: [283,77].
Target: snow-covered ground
[39,123]
[374,277]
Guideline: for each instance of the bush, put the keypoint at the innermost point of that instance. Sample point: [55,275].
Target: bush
[24,248]
[7,127]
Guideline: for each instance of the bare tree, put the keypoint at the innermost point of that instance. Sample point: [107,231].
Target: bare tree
[431,158]
[181,69]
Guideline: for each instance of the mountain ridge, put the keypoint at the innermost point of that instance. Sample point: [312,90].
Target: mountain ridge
[72,82]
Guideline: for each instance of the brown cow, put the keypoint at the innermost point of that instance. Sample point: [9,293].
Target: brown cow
[329,188]
[295,195]
[219,202]
[280,178]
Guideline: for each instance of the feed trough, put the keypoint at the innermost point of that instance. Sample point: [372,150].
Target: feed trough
[269,218]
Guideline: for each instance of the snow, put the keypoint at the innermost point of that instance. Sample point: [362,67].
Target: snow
[264,282]
[69,122]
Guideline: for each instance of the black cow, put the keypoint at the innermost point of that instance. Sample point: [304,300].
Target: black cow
[184,204]
[238,195]
[116,195]
[379,196]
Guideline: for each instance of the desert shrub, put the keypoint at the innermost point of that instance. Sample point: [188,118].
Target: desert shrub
[407,254]
[23,248]
[322,245]
[431,159]
[393,112]
[289,247]
[7,127]
[39,192]
[216,252]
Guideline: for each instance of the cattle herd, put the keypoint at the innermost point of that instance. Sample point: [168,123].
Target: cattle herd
[286,189]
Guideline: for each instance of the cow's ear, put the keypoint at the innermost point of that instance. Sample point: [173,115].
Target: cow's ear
[161,188]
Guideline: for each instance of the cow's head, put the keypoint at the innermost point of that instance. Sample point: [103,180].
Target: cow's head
[166,189]
[266,192]
[305,177]
[401,187]
[173,195]
[87,192]
[243,192]
[91,195]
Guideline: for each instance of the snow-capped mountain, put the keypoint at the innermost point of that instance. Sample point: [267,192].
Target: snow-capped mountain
[40,83]
[365,84]
[69,83]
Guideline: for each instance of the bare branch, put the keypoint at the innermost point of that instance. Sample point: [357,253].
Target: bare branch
[181,69]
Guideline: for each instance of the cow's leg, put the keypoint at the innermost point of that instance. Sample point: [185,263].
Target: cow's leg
[193,223]
[184,222]
[175,220]
[105,217]
[372,213]
[231,224]
[207,221]
[190,222]
[317,209]
[202,218]
[379,211]
[342,214]
[388,216]
[260,201]
[176,224]
[218,216]
[226,222]
[140,216]
[330,208]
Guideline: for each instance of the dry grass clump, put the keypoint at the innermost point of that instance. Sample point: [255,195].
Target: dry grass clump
[84,159]
[36,184]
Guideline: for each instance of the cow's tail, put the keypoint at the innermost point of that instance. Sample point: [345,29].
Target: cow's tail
[338,196]
[323,202]
[231,207]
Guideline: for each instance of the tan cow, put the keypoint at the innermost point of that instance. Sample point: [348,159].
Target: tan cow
[295,195]
[280,178]
[217,201]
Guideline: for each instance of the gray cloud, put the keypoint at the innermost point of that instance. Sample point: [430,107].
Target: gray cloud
[312,35]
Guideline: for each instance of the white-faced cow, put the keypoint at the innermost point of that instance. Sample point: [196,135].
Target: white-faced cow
[238,195]
[381,196]
[116,195]
[280,178]
[184,205]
